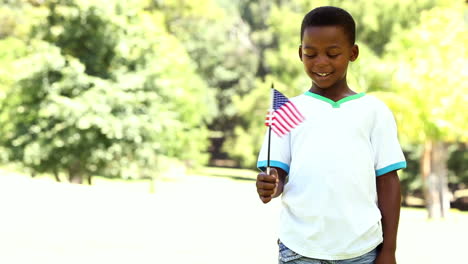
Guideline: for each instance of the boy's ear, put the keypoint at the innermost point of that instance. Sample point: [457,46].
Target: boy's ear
[300,52]
[354,53]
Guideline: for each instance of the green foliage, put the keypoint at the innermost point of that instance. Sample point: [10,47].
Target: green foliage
[220,45]
[431,80]
[458,164]
[410,180]
[284,61]
[248,137]
[16,17]
[105,92]
[10,50]
[115,85]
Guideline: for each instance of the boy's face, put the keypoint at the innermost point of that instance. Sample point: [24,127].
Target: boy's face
[325,52]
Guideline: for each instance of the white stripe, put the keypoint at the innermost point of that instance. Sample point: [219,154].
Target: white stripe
[291,115]
[276,130]
[280,126]
[283,122]
[296,111]
[287,119]
[279,133]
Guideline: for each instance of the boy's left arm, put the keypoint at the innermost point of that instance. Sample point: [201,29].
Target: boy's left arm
[389,201]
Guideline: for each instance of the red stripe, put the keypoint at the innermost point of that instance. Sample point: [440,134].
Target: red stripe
[288,114]
[290,107]
[297,111]
[283,130]
[291,124]
[284,119]
[277,133]
[269,118]
[280,126]
[284,124]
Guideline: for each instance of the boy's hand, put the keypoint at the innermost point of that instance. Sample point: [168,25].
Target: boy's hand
[267,185]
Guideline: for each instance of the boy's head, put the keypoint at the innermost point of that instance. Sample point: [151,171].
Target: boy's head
[330,16]
[327,46]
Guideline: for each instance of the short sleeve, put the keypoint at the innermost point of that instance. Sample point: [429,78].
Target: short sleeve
[280,152]
[388,155]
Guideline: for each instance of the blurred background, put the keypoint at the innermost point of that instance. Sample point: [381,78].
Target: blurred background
[129,130]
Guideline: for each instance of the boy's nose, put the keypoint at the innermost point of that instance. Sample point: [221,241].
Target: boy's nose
[321,60]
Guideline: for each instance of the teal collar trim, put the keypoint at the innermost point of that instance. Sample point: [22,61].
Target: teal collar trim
[337,103]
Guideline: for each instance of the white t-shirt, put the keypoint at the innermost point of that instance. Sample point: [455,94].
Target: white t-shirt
[329,203]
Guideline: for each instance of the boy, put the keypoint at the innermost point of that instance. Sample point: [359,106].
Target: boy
[337,170]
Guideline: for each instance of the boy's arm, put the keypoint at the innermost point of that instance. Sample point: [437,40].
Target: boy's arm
[281,181]
[389,200]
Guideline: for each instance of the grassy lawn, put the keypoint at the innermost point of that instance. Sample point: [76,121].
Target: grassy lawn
[211,215]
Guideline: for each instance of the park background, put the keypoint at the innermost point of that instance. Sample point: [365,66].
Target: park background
[129,130]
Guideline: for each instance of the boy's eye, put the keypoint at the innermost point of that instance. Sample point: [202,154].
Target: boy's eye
[333,55]
[310,55]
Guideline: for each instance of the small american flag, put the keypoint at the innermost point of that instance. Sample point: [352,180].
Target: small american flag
[284,116]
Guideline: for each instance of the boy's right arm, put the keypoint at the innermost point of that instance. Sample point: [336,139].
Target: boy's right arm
[270,186]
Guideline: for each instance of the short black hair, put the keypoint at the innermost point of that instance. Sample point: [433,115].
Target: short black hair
[330,16]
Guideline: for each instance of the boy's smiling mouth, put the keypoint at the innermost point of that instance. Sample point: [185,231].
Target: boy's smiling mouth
[322,74]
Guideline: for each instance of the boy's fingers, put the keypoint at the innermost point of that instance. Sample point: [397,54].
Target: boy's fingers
[265,185]
[266,178]
[265,193]
[265,199]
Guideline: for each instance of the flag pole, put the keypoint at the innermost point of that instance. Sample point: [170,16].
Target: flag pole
[269,131]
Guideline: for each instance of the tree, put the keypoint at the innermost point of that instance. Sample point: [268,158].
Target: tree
[218,41]
[431,91]
[106,91]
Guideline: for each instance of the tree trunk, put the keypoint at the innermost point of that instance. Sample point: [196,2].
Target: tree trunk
[56,176]
[74,173]
[152,177]
[75,178]
[152,181]
[434,174]
[440,157]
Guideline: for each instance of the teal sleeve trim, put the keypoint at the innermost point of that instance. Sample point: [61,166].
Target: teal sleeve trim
[273,163]
[389,168]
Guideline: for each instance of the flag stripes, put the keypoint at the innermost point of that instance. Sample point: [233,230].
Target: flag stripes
[284,116]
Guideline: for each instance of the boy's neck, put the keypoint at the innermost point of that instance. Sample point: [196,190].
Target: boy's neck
[335,92]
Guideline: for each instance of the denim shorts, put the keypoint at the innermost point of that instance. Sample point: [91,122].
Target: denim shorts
[287,256]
